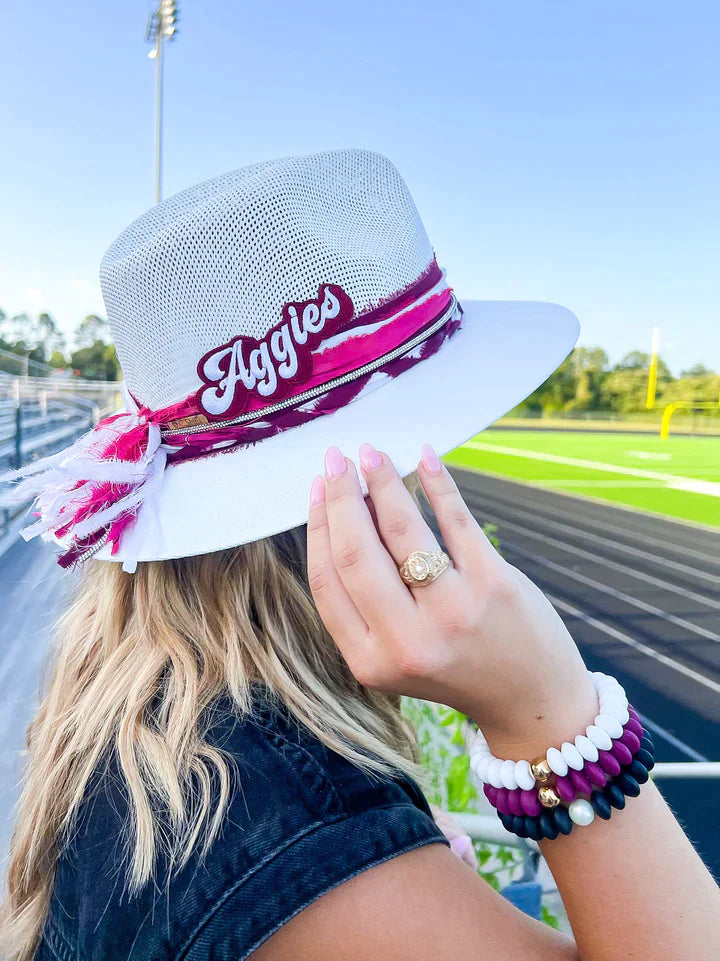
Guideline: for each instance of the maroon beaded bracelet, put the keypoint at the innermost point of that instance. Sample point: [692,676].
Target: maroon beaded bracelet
[566,789]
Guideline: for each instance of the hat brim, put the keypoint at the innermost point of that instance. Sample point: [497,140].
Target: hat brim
[502,352]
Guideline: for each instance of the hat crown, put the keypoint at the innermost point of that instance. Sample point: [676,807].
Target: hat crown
[221,259]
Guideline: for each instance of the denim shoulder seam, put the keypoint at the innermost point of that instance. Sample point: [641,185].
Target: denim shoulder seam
[230,891]
[410,846]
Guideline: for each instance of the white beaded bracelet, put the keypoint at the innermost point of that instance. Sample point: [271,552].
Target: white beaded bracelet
[607,726]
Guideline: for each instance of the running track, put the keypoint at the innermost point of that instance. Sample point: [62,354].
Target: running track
[641,596]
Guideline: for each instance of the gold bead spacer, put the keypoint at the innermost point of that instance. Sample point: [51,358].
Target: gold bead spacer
[548,798]
[541,770]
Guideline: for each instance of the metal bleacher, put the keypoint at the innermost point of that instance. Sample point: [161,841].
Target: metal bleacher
[41,415]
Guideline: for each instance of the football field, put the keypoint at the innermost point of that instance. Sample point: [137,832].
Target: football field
[678,477]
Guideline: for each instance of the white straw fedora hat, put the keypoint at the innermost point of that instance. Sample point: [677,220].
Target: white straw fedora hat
[260,317]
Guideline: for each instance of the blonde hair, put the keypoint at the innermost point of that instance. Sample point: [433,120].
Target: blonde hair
[139,658]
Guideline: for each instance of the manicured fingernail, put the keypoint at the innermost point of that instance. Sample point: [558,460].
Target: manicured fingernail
[462,846]
[370,459]
[317,491]
[334,463]
[430,460]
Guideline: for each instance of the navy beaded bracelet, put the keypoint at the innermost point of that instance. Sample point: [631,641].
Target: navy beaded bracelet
[552,822]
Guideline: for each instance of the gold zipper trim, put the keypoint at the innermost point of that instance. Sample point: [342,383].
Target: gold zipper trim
[321,389]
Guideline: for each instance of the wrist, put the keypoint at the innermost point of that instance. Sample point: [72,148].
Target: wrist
[534,726]
[544,792]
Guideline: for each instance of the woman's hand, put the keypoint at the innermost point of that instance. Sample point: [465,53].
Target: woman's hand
[481,638]
[460,843]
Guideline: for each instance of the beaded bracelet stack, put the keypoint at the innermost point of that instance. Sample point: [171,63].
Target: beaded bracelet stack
[571,784]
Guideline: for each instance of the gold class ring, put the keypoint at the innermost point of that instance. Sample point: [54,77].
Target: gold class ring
[423,567]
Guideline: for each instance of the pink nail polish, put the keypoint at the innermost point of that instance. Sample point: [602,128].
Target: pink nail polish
[370,459]
[430,460]
[317,491]
[334,463]
[462,846]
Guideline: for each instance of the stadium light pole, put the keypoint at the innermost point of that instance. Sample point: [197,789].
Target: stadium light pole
[162,26]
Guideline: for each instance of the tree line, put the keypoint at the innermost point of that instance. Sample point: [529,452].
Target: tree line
[585,381]
[39,344]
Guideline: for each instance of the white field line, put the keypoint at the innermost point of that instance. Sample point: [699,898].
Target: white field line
[647,455]
[618,595]
[615,565]
[554,482]
[623,548]
[691,484]
[635,644]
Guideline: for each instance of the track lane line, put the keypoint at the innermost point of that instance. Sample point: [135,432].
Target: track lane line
[618,595]
[671,739]
[615,565]
[639,646]
[602,525]
[692,572]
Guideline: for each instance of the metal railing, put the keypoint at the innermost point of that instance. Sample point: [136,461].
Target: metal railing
[59,386]
[701,417]
[686,769]
[526,892]
[21,365]
[41,415]
[487,827]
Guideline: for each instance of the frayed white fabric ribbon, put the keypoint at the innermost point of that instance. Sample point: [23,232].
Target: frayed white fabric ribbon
[52,480]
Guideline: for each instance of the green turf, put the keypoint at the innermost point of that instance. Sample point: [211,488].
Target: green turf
[691,458]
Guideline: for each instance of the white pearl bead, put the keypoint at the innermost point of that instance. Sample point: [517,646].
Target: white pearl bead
[557,763]
[581,812]
[480,766]
[616,710]
[609,724]
[572,756]
[586,747]
[600,738]
[524,776]
[507,775]
[493,773]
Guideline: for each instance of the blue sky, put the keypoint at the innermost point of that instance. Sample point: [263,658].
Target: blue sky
[563,151]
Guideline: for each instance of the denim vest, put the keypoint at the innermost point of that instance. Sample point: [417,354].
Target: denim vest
[301,821]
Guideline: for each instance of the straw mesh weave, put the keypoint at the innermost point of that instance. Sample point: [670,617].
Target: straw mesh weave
[222,258]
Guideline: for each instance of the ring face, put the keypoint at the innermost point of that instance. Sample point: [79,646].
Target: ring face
[422,567]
